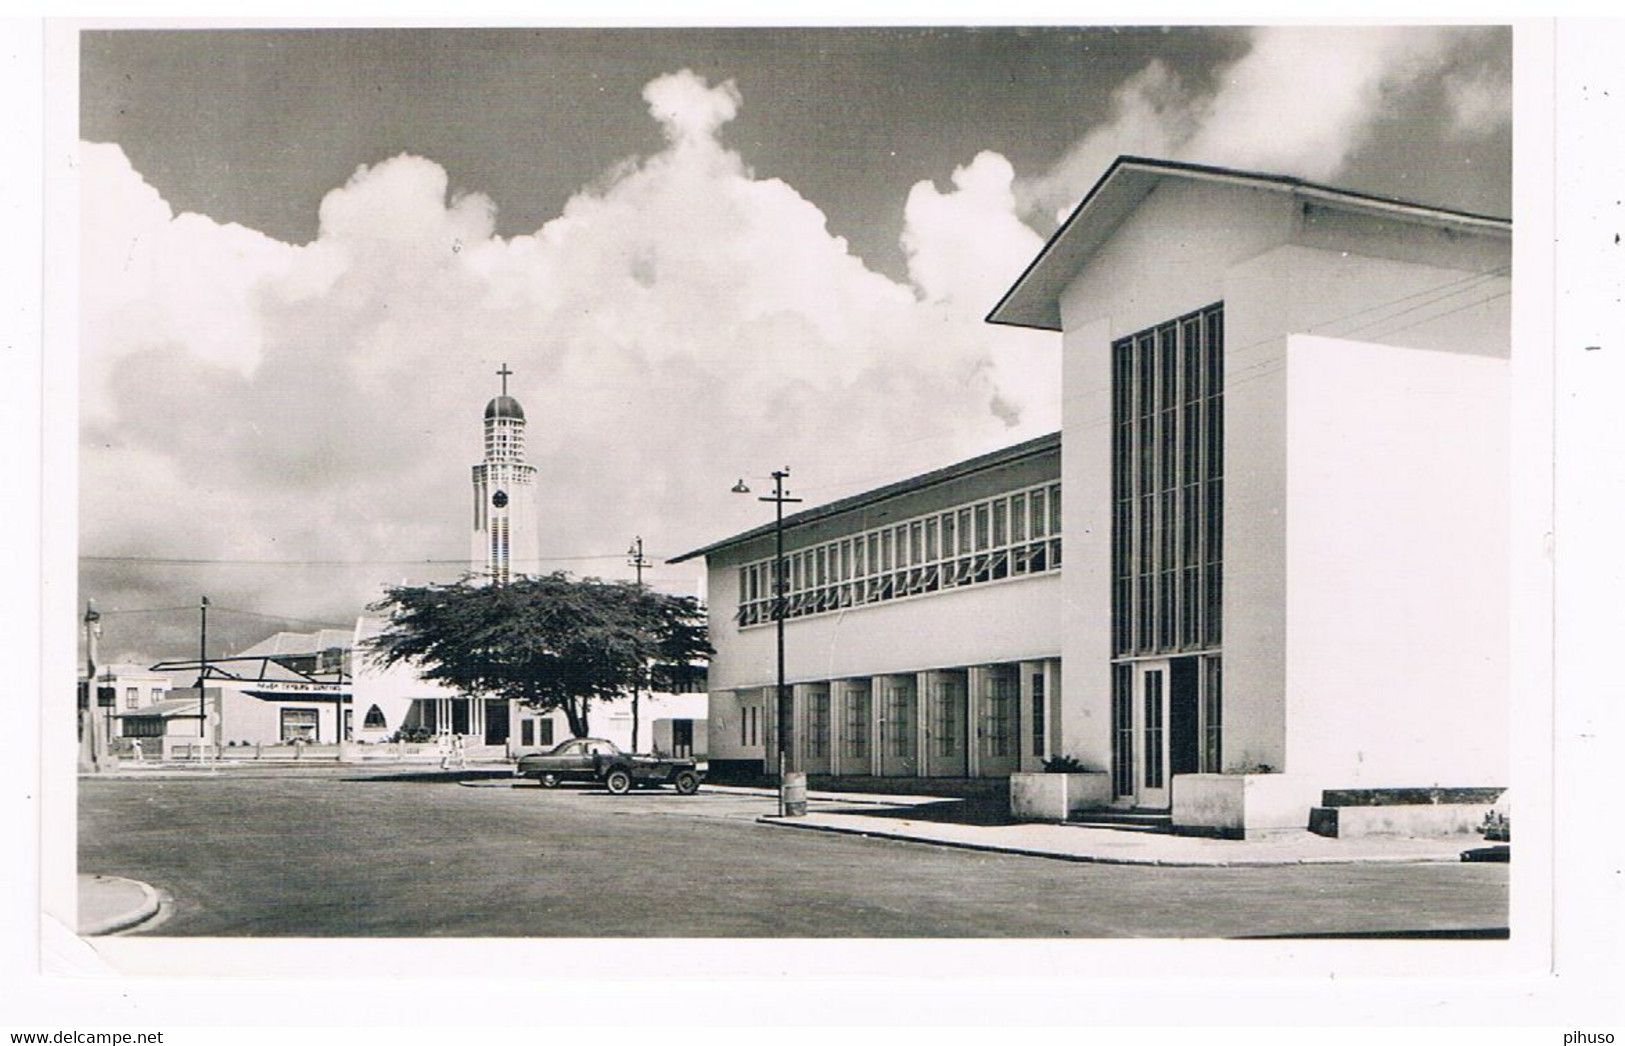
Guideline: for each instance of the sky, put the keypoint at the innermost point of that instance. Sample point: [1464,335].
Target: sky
[705,255]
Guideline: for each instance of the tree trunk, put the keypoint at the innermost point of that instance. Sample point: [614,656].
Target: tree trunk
[573,716]
[576,714]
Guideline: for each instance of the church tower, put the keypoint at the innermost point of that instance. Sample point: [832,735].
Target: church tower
[506,540]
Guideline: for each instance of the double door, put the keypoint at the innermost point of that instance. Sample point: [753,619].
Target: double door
[998,730]
[1155,722]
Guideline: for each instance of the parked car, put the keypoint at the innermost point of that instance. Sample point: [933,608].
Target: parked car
[595,760]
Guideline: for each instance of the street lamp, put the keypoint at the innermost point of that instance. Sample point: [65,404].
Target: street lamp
[781,710]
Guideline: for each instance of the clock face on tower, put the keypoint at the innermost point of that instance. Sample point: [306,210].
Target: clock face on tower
[500,499]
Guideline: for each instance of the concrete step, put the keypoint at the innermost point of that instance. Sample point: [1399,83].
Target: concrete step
[1124,821]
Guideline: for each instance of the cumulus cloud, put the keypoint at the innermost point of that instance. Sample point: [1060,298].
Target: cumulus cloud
[1480,99]
[1302,100]
[152,277]
[689,109]
[967,245]
[680,324]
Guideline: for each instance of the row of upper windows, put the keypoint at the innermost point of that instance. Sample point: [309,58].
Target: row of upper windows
[132,696]
[1012,535]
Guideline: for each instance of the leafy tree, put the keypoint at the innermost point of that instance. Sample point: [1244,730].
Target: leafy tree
[550,641]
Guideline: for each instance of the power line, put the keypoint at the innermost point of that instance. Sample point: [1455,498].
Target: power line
[281,617]
[229,610]
[1379,321]
[1451,312]
[190,561]
[148,610]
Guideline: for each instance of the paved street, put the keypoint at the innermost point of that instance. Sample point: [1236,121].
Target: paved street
[329,854]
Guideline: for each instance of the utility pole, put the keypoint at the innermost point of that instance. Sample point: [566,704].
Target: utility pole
[636,560]
[780,591]
[202,669]
[782,713]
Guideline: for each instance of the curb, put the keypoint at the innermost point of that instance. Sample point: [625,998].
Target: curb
[849,798]
[124,920]
[959,844]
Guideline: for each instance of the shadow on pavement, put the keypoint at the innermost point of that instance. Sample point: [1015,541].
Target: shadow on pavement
[432,776]
[983,810]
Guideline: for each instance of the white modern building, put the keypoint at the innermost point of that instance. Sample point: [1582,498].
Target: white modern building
[923,627]
[1281,487]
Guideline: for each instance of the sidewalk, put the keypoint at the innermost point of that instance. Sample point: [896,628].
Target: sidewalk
[410,769]
[886,817]
[108,904]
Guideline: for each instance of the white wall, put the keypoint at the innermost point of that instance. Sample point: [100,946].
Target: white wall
[1010,620]
[723,727]
[1397,552]
[1086,537]
[392,689]
[1280,268]
[613,720]
[252,720]
[1289,289]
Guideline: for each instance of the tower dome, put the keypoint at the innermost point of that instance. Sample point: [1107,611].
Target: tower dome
[504,406]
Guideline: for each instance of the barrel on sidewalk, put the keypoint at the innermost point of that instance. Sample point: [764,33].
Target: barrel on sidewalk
[793,794]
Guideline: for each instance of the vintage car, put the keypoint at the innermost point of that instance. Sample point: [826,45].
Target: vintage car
[592,759]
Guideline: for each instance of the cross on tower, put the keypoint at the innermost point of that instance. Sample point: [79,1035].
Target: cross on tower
[503,374]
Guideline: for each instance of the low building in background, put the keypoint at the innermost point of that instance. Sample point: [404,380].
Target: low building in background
[290,688]
[122,689]
[397,702]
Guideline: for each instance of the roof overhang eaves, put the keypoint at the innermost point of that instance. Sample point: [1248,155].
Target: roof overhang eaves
[1033,301]
[1037,445]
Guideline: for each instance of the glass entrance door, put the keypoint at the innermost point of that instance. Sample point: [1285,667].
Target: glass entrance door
[815,731]
[946,749]
[896,735]
[1150,710]
[999,733]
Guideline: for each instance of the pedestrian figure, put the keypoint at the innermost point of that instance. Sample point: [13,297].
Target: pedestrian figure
[445,752]
[136,745]
[459,751]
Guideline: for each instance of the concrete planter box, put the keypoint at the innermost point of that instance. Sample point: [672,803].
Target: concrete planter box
[1347,813]
[1351,822]
[1235,806]
[1057,797]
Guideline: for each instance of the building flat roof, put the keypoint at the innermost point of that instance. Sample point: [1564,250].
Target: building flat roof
[168,708]
[1034,299]
[970,466]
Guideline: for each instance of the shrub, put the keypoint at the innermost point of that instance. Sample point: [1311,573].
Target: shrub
[1064,764]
